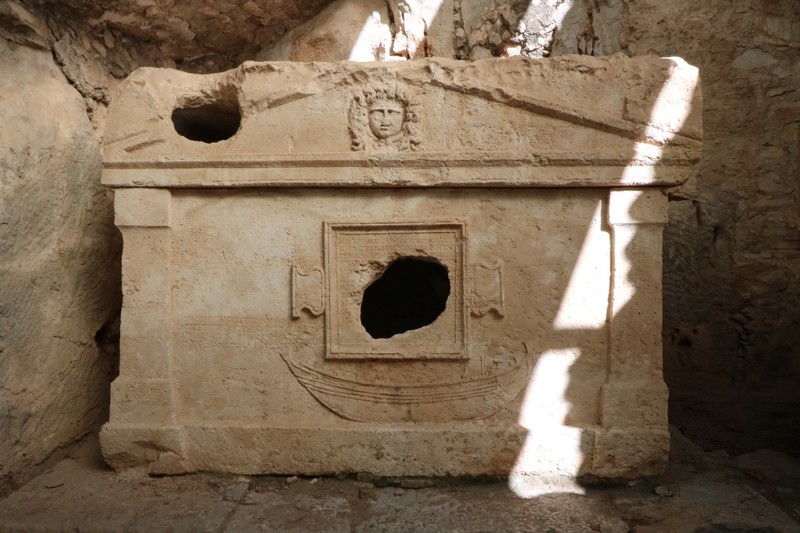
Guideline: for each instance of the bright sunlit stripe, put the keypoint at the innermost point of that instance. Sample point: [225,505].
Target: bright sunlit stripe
[552,455]
[374,39]
[585,301]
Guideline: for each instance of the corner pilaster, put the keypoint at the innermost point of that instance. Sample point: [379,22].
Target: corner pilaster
[634,438]
[143,397]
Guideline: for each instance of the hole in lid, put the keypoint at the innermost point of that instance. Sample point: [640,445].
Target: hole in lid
[410,294]
[208,122]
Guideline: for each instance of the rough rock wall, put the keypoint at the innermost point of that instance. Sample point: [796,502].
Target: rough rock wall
[193,35]
[58,265]
[369,30]
[536,28]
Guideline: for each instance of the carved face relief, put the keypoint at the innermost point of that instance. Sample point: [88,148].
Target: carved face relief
[382,119]
[386,118]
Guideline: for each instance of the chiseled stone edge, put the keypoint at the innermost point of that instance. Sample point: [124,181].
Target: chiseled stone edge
[380,450]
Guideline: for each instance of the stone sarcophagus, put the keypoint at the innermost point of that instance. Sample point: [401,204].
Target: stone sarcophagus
[414,268]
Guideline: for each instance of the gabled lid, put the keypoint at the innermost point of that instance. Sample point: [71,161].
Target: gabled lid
[575,121]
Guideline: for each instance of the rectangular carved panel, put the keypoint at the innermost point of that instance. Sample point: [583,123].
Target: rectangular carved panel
[357,255]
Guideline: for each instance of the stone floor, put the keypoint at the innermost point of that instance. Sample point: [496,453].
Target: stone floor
[700,492]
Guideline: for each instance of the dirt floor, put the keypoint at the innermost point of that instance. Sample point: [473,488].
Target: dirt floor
[700,492]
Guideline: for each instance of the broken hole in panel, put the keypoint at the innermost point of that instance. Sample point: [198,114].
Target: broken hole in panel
[410,294]
[208,122]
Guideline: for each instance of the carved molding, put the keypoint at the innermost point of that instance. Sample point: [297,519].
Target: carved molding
[487,293]
[356,254]
[307,291]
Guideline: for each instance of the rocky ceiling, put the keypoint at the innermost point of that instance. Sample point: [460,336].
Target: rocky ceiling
[195,35]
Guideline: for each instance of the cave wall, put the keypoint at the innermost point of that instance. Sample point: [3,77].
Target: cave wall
[732,248]
[59,265]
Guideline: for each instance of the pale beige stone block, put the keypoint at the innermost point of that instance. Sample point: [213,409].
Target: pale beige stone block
[393,451]
[142,207]
[136,445]
[417,268]
[146,347]
[140,402]
[634,403]
[637,207]
[629,453]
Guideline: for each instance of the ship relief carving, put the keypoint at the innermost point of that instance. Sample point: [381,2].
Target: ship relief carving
[383,119]
[375,366]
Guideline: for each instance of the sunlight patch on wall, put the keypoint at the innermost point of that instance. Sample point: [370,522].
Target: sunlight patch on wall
[552,454]
[534,11]
[585,299]
[374,42]
[666,117]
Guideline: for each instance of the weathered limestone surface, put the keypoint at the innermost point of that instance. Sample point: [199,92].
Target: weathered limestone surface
[184,32]
[731,248]
[264,208]
[376,30]
[58,265]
